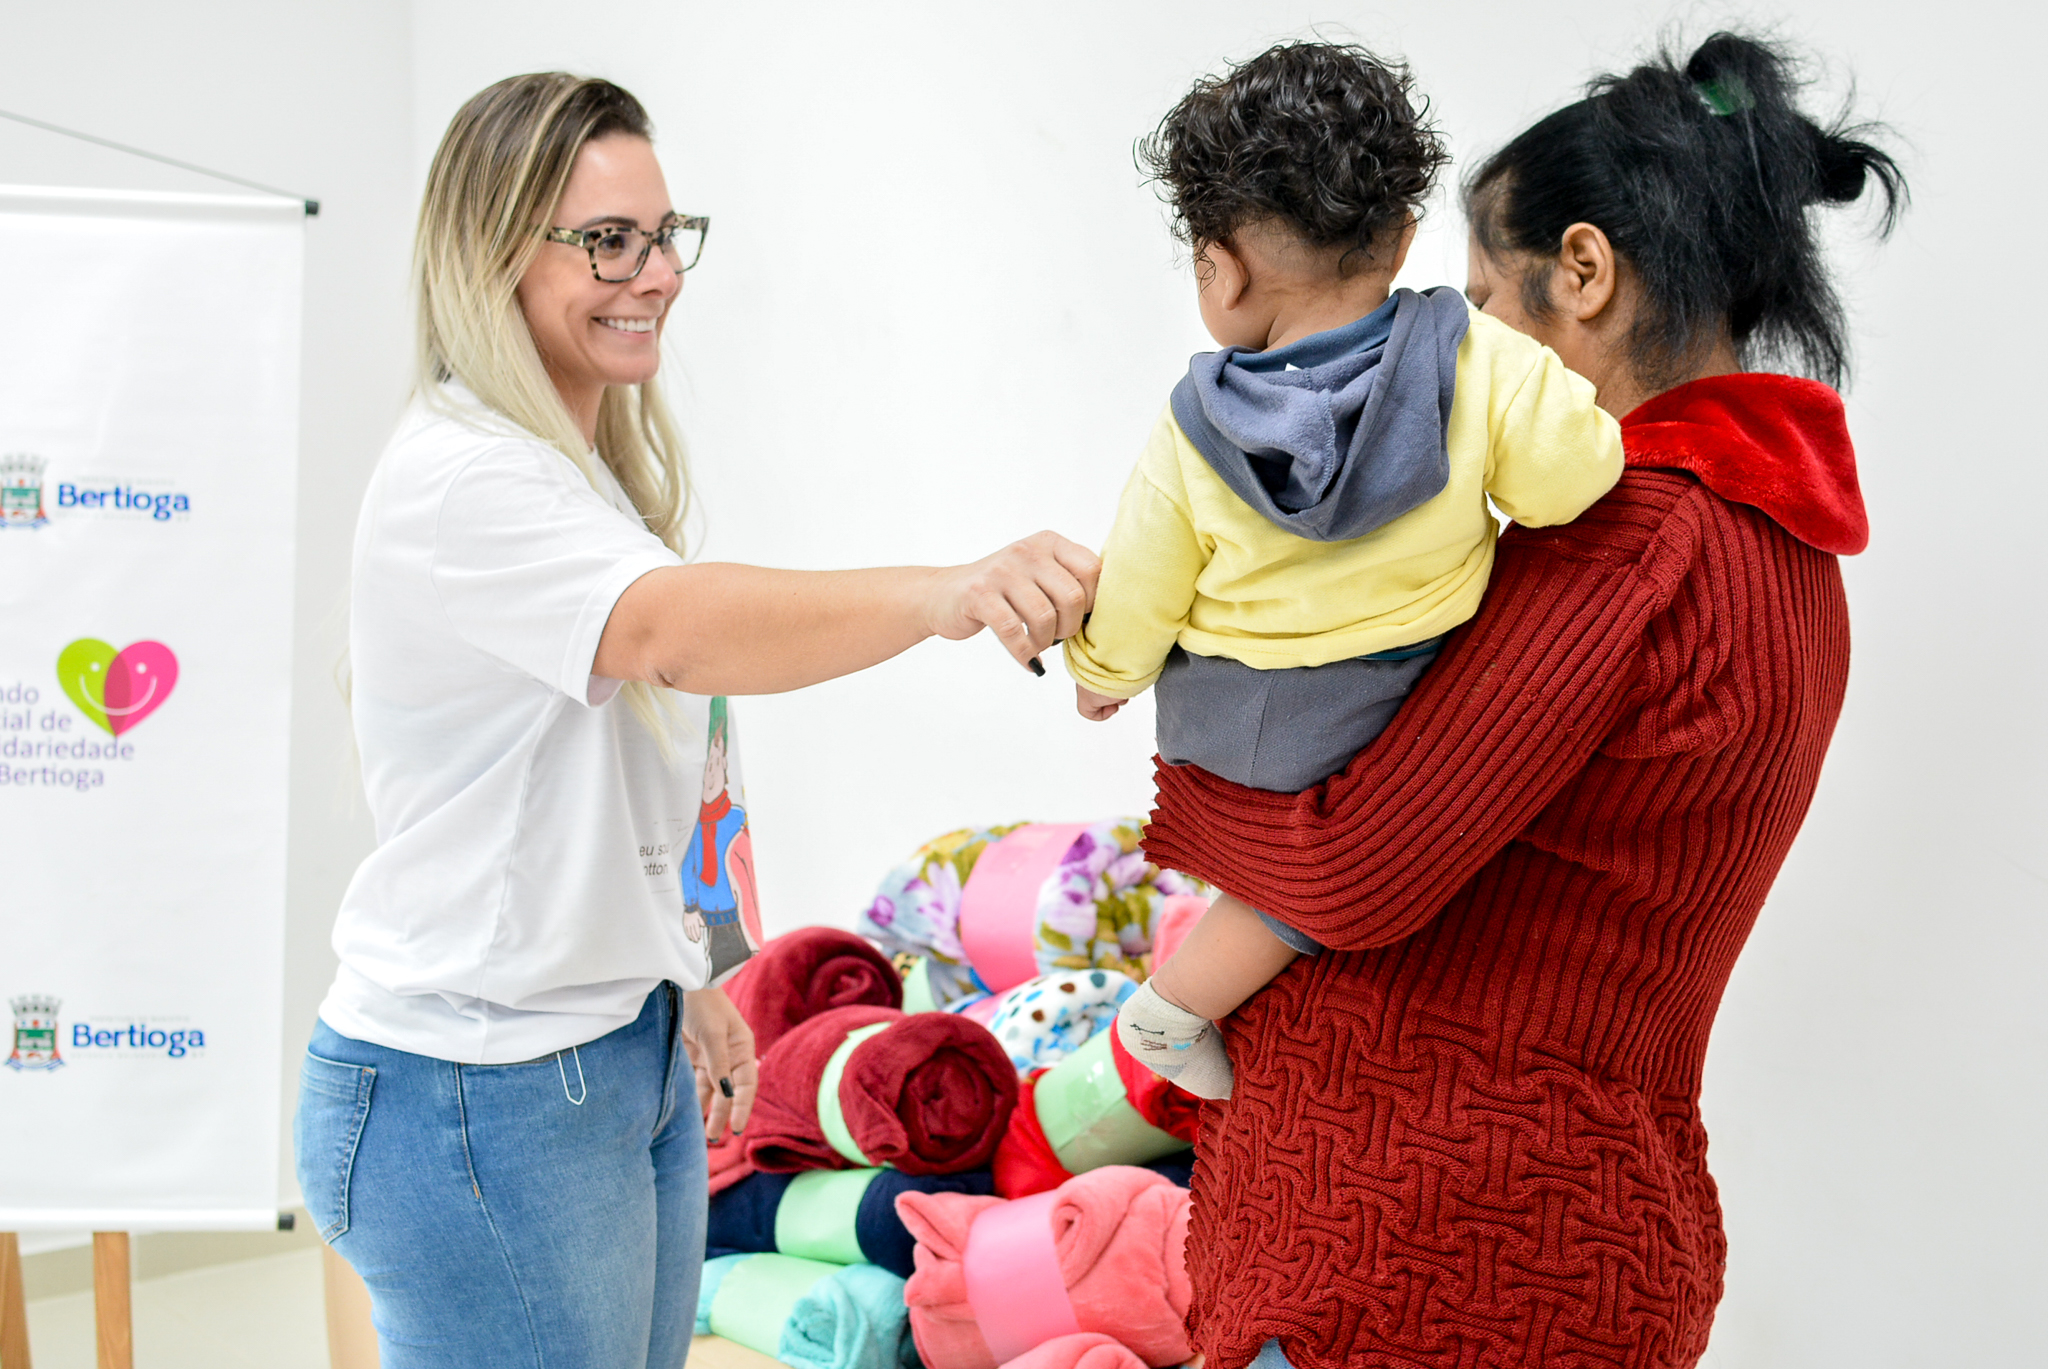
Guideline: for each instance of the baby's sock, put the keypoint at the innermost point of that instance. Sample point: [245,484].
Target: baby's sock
[1174,1043]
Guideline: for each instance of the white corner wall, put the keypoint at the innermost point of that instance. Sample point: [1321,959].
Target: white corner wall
[938,310]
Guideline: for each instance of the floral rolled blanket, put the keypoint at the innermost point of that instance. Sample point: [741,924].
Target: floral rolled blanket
[806,1313]
[847,1216]
[1102,1253]
[856,1088]
[800,974]
[991,907]
[917,909]
[1096,1107]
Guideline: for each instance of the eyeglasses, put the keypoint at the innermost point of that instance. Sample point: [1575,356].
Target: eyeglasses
[619,254]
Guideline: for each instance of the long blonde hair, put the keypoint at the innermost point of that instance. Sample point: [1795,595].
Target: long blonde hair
[494,183]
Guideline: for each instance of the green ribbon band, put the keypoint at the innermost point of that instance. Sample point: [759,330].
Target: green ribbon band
[917,987]
[1087,1117]
[758,1295]
[815,1218]
[831,1118]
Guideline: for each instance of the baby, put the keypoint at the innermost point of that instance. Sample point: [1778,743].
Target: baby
[1310,515]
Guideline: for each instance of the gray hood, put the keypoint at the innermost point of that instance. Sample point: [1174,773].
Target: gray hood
[1341,446]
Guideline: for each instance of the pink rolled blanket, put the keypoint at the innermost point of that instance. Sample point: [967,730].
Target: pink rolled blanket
[990,1274]
[1084,1350]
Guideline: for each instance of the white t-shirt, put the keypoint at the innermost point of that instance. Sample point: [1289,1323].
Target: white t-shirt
[522,897]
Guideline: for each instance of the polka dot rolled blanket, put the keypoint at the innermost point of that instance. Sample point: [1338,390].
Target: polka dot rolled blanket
[1102,1253]
[925,1093]
[1044,1020]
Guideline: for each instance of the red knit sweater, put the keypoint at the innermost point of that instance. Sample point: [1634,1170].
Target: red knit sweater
[1468,1135]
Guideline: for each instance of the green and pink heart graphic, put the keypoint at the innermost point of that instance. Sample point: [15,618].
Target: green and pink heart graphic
[117,689]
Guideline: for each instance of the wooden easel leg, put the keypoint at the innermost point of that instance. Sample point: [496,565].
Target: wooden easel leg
[351,1340]
[13,1306]
[110,1299]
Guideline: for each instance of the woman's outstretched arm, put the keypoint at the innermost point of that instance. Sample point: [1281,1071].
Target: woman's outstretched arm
[731,629]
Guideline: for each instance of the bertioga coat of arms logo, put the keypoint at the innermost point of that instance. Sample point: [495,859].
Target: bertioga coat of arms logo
[21,491]
[35,1033]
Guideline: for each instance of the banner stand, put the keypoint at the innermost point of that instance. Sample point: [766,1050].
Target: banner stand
[112,1314]
[113,1317]
[13,1306]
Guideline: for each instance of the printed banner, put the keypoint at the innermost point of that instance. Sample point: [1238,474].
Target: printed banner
[148,451]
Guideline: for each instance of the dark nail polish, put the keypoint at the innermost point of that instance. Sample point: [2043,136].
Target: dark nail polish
[725,1087]
[1038,667]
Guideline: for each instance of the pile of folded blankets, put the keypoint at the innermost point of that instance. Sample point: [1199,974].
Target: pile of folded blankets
[985,1178]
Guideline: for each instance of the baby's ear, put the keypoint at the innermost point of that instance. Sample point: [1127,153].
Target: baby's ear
[939,1221]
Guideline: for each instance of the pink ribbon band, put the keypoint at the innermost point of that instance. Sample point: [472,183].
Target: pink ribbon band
[999,904]
[1014,1286]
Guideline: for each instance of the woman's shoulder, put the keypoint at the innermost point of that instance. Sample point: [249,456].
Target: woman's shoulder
[1654,521]
[447,437]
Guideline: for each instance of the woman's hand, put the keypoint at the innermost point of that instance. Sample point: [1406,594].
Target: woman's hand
[1031,594]
[721,1047]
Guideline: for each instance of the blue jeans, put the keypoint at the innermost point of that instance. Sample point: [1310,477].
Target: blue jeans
[542,1214]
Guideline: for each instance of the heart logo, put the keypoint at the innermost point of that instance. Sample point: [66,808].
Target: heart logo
[117,689]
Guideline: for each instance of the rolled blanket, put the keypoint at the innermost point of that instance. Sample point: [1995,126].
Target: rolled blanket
[1044,1020]
[802,973]
[1064,896]
[843,1215]
[859,1087]
[728,1162]
[917,909]
[1157,1101]
[1102,1253]
[1085,1350]
[806,1313]
[1080,1115]
[992,907]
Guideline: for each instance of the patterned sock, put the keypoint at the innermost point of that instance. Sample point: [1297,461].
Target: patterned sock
[1174,1044]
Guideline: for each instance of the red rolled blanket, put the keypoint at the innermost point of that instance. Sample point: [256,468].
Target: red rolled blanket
[1027,1162]
[928,1093]
[802,973]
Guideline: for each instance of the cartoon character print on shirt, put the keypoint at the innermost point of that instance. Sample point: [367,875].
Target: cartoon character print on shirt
[721,902]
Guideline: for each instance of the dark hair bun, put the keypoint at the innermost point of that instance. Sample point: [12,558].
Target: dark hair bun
[1325,137]
[1844,166]
[1702,175]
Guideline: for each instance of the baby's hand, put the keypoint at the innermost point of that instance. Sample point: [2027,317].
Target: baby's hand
[1095,707]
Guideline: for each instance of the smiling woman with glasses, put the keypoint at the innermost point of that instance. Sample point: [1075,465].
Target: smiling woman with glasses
[502,1115]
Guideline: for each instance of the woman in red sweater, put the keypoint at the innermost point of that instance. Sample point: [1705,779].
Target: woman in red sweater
[1468,1134]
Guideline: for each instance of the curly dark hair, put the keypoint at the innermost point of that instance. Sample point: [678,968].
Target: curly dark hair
[1325,137]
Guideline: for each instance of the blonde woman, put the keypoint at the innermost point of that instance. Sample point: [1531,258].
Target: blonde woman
[497,1126]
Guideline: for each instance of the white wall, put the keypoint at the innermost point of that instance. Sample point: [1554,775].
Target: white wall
[937,310]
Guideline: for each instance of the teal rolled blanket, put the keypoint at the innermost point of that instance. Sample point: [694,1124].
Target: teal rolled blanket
[807,1313]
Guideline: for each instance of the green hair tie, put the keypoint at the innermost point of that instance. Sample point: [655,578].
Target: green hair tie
[1725,97]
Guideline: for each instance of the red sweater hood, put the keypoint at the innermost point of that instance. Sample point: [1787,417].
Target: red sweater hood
[1777,443]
